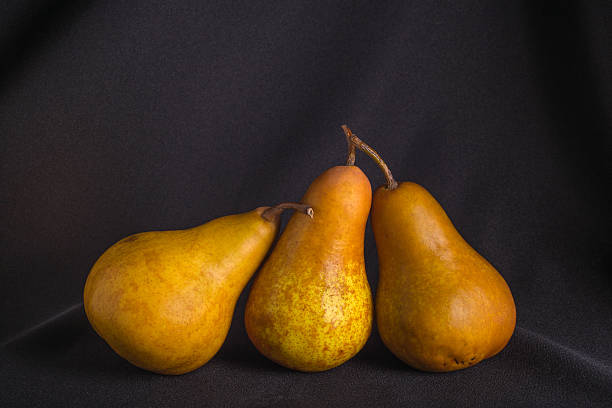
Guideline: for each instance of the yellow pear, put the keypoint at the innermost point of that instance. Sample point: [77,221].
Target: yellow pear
[310,307]
[440,306]
[164,300]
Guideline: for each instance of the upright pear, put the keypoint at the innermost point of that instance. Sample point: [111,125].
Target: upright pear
[310,307]
[164,300]
[440,306]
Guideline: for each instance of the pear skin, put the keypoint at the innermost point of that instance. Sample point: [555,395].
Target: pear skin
[440,306]
[310,307]
[164,300]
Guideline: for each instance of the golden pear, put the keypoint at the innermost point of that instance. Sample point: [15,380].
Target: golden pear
[310,307]
[164,300]
[440,306]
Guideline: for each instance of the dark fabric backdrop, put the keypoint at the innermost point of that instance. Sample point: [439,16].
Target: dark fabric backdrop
[121,117]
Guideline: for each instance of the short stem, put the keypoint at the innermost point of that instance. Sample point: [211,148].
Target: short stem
[350,159]
[273,212]
[391,183]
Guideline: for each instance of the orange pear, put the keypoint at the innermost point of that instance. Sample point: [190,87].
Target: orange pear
[440,306]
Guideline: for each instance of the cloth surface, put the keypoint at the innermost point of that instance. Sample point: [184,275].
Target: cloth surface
[122,117]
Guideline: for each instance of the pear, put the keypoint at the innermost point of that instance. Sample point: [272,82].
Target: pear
[440,306]
[310,306]
[164,300]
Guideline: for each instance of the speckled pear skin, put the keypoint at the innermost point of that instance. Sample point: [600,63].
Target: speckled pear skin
[310,307]
[440,306]
[164,300]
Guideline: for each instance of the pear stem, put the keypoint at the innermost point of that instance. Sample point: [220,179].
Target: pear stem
[350,159]
[273,212]
[361,145]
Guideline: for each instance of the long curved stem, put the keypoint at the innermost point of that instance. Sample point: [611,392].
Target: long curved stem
[273,212]
[361,145]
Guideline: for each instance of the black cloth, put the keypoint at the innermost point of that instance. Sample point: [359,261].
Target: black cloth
[121,117]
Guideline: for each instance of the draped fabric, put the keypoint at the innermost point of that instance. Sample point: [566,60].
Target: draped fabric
[121,117]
